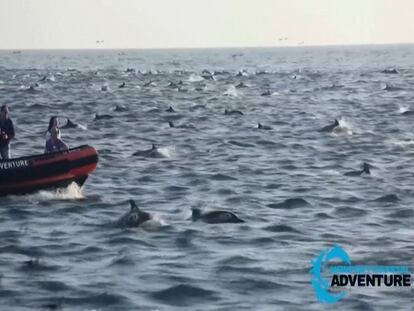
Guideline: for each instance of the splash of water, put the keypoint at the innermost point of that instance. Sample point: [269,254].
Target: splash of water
[231,91]
[167,151]
[402,109]
[344,128]
[195,78]
[82,127]
[71,192]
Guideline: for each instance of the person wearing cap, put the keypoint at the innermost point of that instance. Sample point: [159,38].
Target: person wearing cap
[6,132]
[54,143]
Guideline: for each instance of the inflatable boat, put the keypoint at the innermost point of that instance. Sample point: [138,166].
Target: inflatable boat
[47,171]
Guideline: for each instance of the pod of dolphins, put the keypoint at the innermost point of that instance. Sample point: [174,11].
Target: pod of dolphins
[135,217]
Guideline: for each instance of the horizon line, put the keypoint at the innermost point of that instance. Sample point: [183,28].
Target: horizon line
[209,48]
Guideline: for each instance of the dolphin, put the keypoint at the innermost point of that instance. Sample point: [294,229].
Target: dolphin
[54,121]
[150,83]
[121,85]
[104,88]
[365,170]
[134,218]
[329,128]
[408,113]
[241,85]
[183,126]
[266,93]
[149,153]
[32,87]
[102,117]
[215,217]
[69,125]
[208,77]
[233,112]
[390,71]
[120,108]
[263,127]
[175,85]
[170,109]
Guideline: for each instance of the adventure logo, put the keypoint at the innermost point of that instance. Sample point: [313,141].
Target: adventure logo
[353,276]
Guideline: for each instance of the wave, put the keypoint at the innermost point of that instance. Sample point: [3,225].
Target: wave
[71,192]
[389,198]
[184,295]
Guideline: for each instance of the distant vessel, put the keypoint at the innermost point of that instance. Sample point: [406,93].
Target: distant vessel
[17,52]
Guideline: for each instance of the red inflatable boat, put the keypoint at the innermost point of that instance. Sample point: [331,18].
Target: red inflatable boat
[47,171]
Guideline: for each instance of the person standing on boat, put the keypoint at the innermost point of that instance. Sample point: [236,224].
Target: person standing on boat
[53,122]
[54,143]
[6,132]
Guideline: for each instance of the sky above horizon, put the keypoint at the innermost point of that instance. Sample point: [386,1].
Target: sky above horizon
[77,24]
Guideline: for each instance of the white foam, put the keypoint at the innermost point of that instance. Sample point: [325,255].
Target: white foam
[71,192]
[231,91]
[402,109]
[166,151]
[83,127]
[195,78]
[155,222]
[400,143]
[344,128]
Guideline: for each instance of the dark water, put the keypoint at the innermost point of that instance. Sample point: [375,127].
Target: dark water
[59,250]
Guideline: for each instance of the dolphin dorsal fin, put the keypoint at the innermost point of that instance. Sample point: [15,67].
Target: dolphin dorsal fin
[195,213]
[259,125]
[336,122]
[134,206]
[366,168]
[153,147]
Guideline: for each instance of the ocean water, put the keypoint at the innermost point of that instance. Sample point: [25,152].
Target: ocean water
[61,250]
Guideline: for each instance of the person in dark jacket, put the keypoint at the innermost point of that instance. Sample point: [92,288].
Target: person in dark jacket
[6,132]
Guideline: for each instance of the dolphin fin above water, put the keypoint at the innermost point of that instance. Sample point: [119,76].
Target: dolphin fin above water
[134,206]
[330,128]
[149,153]
[263,127]
[365,170]
[233,112]
[69,125]
[134,218]
[215,217]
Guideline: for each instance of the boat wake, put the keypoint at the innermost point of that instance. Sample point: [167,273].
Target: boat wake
[71,192]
